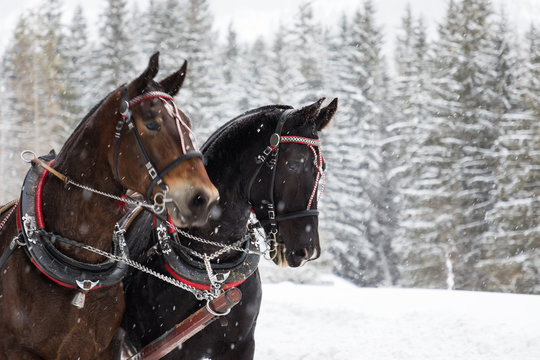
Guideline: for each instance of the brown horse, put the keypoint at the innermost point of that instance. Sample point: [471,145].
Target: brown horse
[136,139]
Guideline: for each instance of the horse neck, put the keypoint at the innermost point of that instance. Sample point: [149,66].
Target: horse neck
[80,214]
[230,167]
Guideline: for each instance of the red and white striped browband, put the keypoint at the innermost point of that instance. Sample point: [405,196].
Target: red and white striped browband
[300,140]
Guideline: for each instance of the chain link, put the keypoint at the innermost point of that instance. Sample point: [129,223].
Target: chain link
[199,294]
[115,197]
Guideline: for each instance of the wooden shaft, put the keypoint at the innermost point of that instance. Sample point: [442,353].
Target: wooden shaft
[189,327]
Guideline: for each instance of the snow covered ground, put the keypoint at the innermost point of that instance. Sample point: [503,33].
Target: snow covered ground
[341,321]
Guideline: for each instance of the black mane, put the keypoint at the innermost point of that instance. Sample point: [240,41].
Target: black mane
[233,125]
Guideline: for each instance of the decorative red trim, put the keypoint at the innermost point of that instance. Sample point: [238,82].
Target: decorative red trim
[53,279]
[172,230]
[19,224]
[301,140]
[137,100]
[200,286]
[39,190]
[122,204]
[41,224]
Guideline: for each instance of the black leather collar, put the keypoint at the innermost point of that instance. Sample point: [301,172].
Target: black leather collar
[39,244]
[192,270]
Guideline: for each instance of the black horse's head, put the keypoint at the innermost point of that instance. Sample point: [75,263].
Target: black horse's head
[285,193]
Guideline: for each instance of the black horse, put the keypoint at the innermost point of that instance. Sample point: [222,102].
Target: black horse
[268,161]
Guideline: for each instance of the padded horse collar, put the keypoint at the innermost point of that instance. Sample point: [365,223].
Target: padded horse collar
[192,271]
[39,244]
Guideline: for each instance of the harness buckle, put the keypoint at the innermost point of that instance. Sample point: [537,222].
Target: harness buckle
[86,285]
[268,150]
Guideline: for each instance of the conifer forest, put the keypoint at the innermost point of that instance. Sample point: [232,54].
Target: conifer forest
[433,159]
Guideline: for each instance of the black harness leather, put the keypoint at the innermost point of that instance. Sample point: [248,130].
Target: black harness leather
[39,244]
[192,271]
[269,156]
[157,177]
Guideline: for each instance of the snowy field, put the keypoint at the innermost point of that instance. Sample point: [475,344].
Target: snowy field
[344,322]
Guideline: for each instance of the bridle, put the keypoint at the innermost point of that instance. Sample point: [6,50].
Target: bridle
[269,156]
[157,177]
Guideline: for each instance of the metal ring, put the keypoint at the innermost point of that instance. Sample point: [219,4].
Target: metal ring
[122,111]
[211,311]
[18,240]
[29,152]
[159,202]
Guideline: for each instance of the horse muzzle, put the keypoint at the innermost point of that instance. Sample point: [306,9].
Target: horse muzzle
[284,257]
[191,206]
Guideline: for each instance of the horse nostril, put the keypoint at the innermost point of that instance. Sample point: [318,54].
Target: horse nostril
[199,200]
[301,253]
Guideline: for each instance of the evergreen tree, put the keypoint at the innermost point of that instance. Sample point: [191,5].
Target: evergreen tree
[230,88]
[307,39]
[509,250]
[77,72]
[166,21]
[465,122]
[357,182]
[19,68]
[114,50]
[422,260]
[198,91]
[283,69]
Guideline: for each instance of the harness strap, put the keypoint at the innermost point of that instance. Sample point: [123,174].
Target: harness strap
[157,177]
[44,165]
[7,253]
[156,180]
[293,215]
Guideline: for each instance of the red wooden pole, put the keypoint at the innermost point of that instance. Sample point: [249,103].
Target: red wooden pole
[189,327]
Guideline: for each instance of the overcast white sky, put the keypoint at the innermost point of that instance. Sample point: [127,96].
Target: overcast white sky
[252,18]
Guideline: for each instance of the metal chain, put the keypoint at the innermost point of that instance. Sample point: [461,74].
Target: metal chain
[215,254]
[225,247]
[115,197]
[199,294]
[209,242]
[156,208]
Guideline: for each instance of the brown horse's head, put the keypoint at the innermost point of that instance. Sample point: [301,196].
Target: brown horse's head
[298,174]
[162,160]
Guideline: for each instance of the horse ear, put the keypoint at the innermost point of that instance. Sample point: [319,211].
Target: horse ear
[326,114]
[307,113]
[172,83]
[139,84]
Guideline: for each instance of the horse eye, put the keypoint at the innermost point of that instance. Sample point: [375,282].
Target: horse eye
[293,165]
[153,126]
